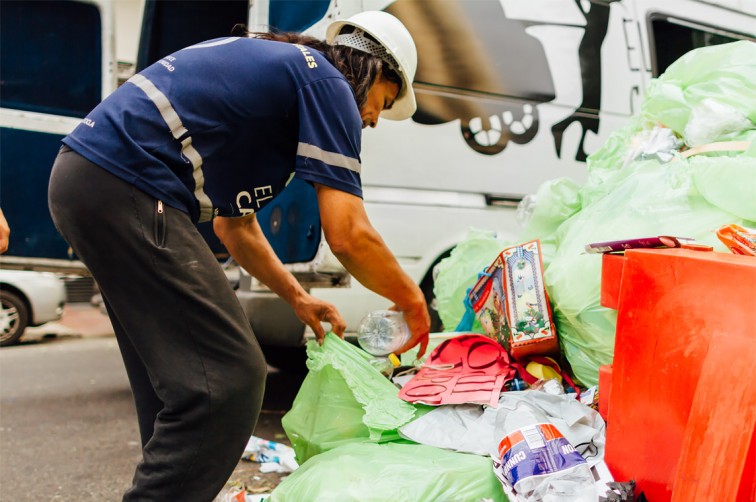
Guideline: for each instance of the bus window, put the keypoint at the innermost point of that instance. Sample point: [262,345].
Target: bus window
[50,57]
[170,26]
[673,37]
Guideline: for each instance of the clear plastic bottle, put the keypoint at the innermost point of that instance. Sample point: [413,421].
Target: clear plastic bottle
[383,365]
[537,461]
[382,332]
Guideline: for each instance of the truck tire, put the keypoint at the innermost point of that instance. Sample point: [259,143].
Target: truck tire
[426,286]
[14,318]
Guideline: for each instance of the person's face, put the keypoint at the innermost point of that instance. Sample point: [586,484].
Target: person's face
[381,96]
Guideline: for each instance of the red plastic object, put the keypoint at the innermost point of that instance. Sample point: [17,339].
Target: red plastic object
[683,392]
[611,275]
[605,390]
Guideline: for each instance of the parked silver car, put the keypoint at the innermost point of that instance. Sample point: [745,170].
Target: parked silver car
[28,299]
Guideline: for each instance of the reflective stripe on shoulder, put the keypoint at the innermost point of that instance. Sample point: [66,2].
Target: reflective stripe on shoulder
[331,158]
[181,134]
[214,44]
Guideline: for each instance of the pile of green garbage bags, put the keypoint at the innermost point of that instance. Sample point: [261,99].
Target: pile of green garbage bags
[344,422]
[343,426]
[641,183]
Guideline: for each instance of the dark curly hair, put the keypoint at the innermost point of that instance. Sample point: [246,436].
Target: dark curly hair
[359,68]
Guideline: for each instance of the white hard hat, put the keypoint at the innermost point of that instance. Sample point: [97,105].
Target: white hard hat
[396,48]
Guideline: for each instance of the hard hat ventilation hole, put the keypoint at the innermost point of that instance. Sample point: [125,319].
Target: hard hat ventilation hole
[358,40]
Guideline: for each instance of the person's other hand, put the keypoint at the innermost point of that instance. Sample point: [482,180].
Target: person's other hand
[418,322]
[312,312]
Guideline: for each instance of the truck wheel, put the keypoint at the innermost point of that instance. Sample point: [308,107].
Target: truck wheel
[14,317]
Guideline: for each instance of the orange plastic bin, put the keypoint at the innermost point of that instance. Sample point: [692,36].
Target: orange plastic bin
[682,402]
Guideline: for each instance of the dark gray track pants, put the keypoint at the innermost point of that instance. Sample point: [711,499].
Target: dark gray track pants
[195,367]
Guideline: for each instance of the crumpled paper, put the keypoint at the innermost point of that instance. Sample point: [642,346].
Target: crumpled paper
[272,456]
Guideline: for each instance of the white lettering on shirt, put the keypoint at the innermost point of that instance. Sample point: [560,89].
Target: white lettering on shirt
[166,61]
[259,191]
[244,199]
[244,210]
[306,53]
[88,122]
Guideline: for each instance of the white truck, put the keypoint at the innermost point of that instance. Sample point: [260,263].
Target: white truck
[510,93]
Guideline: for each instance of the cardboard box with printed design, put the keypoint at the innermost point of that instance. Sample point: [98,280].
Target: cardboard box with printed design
[512,305]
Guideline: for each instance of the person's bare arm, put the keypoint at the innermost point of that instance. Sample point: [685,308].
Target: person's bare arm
[4,233]
[361,250]
[247,244]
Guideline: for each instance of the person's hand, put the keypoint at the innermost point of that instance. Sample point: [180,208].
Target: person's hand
[418,322]
[4,233]
[312,312]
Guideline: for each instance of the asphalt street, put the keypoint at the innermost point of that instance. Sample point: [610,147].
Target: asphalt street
[68,429]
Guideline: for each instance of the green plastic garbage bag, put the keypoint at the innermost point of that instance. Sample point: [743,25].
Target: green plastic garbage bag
[605,165]
[718,80]
[556,200]
[365,472]
[460,271]
[727,182]
[343,399]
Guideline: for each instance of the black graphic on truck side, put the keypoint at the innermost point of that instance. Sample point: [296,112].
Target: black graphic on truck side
[589,54]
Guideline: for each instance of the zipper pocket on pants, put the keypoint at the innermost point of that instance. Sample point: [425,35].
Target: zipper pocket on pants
[160,224]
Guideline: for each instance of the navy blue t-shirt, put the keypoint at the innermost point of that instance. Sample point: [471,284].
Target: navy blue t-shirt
[221,127]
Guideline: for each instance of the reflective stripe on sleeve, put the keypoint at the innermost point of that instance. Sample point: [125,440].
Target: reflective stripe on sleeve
[331,158]
[181,134]
[214,44]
